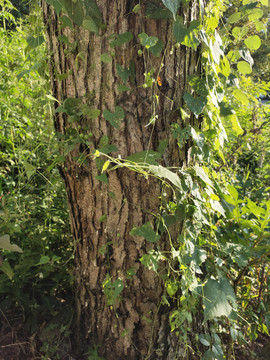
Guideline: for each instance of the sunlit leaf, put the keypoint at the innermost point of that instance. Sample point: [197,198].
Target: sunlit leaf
[147,232]
[253,42]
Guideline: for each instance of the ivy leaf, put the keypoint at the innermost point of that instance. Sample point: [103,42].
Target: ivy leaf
[147,232]
[156,50]
[34,42]
[155,11]
[196,105]
[121,39]
[74,10]
[218,296]
[253,42]
[6,245]
[114,118]
[103,177]
[172,5]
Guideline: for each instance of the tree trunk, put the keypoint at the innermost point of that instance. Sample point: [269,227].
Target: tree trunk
[132,325]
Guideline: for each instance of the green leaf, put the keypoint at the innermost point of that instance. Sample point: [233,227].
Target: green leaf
[90,25]
[34,42]
[43,260]
[147,41]
[121,39]
[196,105]
[147,232]
[239,33]
[172,5]
[106,58]
[89,112]
[205,339]
[235,125]
[6,245]
[122,88]
[74,10]
[155,11]
[241,96]
[145,157]
[114,118]
[156,50]
[66,21]
[264,2]
[163,172]
[7,269]
[103,177]
[30,169]
[234,17]
[106,149]
[179,30]
[201,174]
[124,73]
[256,14]
[244,67]
[253,42]
[57,4]
[218,297]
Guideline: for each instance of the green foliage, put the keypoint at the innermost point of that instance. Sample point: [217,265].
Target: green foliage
[35,278]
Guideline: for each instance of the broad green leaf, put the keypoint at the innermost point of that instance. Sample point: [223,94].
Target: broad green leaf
[196,105]
[114,118]
[264,2]
[156,50]
[147,41]
[163,172]
[235,125]
[6,245]
[75,11]
[106,58]
[256,14]
[146,231]
[218,297]
[57,4]
[225,67]
[253,42]
[145,157]
[106,149]
[172,5]
[43,260]
[89,112]
[234,17]
[241,96]
[244,67]
[124,73]
[103,177]
[179,30]
[122,88]
[66,21]
[121,39]
[153,10]
[239,33]
[7,269]
[202,174]
[30,169]
[34,42]
[90,25]
[205,339]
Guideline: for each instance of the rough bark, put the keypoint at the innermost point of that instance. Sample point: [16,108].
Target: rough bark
[136,326]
